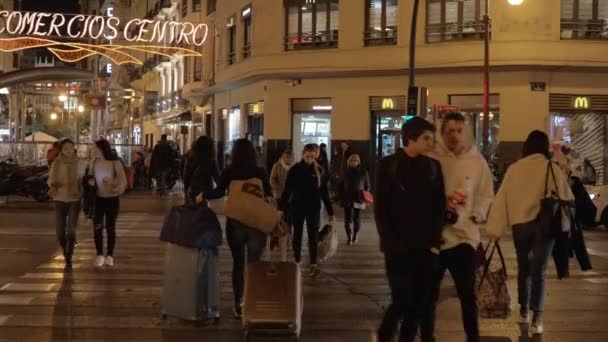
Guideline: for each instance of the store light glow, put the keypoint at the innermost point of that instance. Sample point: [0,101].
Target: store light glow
[53,116]
[515,2]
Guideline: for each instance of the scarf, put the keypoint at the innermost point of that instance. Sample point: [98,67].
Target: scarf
[284,165]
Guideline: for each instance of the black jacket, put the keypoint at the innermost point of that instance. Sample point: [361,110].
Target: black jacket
[352,183]
[410,203]
[163,158]
[200,176]
[304,191]
[229,174]
[567,245]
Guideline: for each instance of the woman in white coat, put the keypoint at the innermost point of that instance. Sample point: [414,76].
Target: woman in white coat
[517,206]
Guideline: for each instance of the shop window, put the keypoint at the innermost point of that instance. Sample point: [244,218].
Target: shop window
[311,24]
[198,66]
[196,5]
[184,8]
[381,22]
[584,19]
[454,20]
[231,41]
[246,15]
[211,6]
[471,106]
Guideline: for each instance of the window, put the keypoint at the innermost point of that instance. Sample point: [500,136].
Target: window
[231,34]
[187,68]
[184,8]
[381,22]
[311,24]
[246,14]
[196,5]
[454,20]
[584,19]
[210,6]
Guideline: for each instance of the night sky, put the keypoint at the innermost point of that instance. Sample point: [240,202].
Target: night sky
[56,6]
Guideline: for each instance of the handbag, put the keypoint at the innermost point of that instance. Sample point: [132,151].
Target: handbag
[246,204]
[192,226]
[368,198]
[550,214]
[493,295]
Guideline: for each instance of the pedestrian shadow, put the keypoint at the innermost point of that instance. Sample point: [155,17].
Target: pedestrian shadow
[63,316]
[495,339]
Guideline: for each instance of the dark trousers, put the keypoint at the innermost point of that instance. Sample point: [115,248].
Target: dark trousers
[533,249]
[352,216]
[243,242]
[460,261]
[66,221]
[161,185]
[106,214]
[312,218]
[410,275]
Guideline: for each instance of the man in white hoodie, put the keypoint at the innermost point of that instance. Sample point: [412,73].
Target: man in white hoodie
[470,191]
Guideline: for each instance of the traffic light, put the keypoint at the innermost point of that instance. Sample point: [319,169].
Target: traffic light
[412,102]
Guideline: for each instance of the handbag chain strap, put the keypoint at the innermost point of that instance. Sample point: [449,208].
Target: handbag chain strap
[486,267]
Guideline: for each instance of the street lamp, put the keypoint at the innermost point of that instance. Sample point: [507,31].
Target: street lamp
[63,98]
[53,116]
[486,74]
[81,109]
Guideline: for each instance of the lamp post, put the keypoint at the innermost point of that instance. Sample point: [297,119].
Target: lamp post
[80,111]
[486,72]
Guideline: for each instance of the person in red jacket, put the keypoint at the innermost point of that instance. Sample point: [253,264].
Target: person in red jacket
[52,153]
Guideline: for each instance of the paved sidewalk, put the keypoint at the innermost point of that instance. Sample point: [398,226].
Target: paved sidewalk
[343,304]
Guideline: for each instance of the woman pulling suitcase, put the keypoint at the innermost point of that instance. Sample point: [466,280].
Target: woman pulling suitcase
[241,237]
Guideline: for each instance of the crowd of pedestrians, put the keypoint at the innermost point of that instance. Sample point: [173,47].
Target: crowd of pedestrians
[432,199]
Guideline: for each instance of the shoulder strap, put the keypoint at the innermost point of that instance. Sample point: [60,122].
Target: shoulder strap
[554,181]
[547,178]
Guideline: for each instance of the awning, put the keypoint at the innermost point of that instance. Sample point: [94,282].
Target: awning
[177,118]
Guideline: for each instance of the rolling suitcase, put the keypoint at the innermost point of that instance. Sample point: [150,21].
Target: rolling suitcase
[273,300]
[191,288]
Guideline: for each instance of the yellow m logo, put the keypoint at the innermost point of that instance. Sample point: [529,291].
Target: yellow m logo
[388,104]
[581,102]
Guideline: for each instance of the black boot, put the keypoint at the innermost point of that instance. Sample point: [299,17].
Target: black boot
[349,239]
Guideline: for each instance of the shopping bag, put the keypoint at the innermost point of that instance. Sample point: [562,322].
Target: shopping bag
[328,242]
[493,296]
[368,198]
[246,204]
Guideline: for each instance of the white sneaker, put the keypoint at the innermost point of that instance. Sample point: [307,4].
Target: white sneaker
[100,261]
[110,261]
[524,318]
[537,328]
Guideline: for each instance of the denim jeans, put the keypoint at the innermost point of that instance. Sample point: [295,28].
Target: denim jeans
[106,214]
[410,275]
[66,221]
[243,241]
[533,249]
[460,261]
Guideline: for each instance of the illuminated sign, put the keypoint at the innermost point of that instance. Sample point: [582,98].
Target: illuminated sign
[34,29]
[388,103]
[257,108]
[582,102]
[322,107]
[246,12]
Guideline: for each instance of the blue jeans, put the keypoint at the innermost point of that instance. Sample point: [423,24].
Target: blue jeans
[241,237]
[533,249]
[66,222]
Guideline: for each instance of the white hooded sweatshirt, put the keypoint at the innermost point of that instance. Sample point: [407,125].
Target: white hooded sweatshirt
[467,172]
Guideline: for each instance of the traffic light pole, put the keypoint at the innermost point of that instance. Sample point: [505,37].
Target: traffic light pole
[412,90]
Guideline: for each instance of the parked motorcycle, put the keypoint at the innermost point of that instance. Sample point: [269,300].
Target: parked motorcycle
[29,181]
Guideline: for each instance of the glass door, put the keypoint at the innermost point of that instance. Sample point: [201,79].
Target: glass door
[310,128]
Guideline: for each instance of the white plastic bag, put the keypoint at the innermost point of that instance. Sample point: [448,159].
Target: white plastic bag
[328,242]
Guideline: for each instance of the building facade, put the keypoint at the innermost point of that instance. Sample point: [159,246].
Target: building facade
[288,72]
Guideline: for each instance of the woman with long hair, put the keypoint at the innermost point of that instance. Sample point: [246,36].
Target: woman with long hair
[353,182]
[108,176]
[201,172]
[64,182]
[517,206]
[245,243]
[302,197]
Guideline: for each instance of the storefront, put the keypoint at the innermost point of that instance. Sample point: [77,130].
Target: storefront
[581,122]
[255,123]
[387,116]
[311,123]
[471,106]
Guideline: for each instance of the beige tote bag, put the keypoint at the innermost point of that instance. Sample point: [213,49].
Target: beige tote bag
[246,203]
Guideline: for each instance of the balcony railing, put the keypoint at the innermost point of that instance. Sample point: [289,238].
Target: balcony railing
[246,51]
[584,29]
[308,40]
[231,58]
[467,31]
[376,37]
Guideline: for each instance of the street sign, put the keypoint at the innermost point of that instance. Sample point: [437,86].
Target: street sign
[445,108]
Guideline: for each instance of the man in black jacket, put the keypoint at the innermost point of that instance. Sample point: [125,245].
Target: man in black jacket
[163,158]
[409,209]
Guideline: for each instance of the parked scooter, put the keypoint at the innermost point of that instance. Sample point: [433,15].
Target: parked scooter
[29,181]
